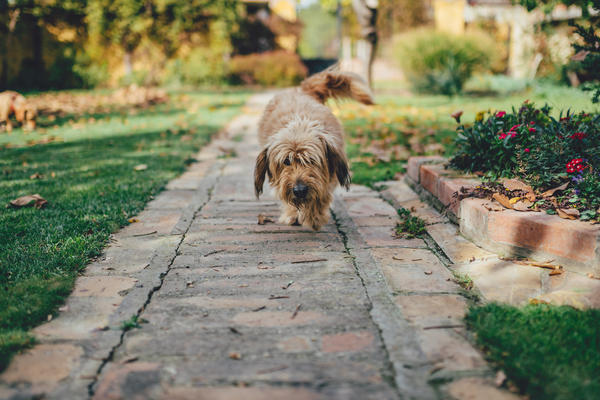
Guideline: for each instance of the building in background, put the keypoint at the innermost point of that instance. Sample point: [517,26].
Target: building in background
[270,24]
[513,25]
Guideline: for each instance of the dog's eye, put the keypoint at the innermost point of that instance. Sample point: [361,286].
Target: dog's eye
[287,161]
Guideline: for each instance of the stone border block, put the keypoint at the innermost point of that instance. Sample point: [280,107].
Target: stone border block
[573,244]
[415,163]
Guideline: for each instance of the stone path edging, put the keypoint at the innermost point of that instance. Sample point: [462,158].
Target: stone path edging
[539,236]
[494,278]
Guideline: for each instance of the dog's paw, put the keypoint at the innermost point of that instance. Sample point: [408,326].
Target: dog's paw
[289,220]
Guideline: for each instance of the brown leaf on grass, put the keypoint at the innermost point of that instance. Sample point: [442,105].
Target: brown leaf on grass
[140,167]
[515,184]
[502,199]
[456,115]
[567,213]
[132,220]
[263,219]
[37,175]
[551,192]
[34,200]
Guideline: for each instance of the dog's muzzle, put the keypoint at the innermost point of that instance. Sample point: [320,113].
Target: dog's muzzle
[300,190]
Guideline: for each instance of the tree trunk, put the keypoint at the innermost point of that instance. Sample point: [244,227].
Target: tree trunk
[366,14]
[37,36]
[13,17]
[128,63]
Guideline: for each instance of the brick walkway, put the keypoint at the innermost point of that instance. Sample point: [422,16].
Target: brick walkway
[230,309]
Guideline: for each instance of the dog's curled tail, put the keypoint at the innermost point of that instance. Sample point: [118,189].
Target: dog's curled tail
[332,83]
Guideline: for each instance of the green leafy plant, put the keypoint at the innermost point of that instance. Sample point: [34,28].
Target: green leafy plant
[410,226]
[131,323]
[439,62]
[532,145]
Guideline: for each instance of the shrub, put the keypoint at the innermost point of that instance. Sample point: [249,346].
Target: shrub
[273,68]
[530,144]
[439,62]
[202,66]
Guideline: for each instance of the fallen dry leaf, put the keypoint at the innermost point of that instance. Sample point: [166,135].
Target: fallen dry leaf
[515,184]
[551,192]
[34,200]
[132,220]
[592,276]
[547,264]
[580,56]
[140,167]
[493,207]
[564,215]
[502,199]
[555,272]
[571,211]
[522,205]
[428,272]
[263,219]
[37,175]
[235,355]
[514,200]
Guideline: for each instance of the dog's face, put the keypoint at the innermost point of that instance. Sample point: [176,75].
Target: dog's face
[301,163]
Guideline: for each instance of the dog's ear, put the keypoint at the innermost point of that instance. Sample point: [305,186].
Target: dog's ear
[260,170]
[338,164]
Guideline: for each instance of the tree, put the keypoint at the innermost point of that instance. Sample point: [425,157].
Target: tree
[588,52]
[36,15]
[126,23]
[366,14]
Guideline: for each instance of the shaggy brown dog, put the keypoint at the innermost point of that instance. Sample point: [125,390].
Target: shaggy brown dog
[15,103]
[303,143]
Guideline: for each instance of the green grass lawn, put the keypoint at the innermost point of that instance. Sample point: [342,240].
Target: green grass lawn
[547,352]
[381,137]
[89,181]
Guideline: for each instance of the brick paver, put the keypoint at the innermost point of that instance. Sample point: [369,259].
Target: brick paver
[229,309]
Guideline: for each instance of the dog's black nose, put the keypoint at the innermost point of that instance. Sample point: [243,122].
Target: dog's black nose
[300,190]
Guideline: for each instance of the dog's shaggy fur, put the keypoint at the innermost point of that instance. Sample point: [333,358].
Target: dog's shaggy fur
[303,146]
[15,103]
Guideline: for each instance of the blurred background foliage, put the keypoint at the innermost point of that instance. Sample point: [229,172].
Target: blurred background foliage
[439,46]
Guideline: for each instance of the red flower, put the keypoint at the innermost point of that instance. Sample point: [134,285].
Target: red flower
[513,134]
[532,123]
[578,135]
[527,150]
[500,114]
[575,165]
[532,130]
[502,135]
[563,119]
[514,127]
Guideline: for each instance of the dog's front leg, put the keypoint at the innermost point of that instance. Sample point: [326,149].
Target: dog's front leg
[289,215]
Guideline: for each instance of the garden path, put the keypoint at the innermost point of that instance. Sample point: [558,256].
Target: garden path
[198,301]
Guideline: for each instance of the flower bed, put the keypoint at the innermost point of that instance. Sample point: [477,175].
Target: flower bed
[556,161]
